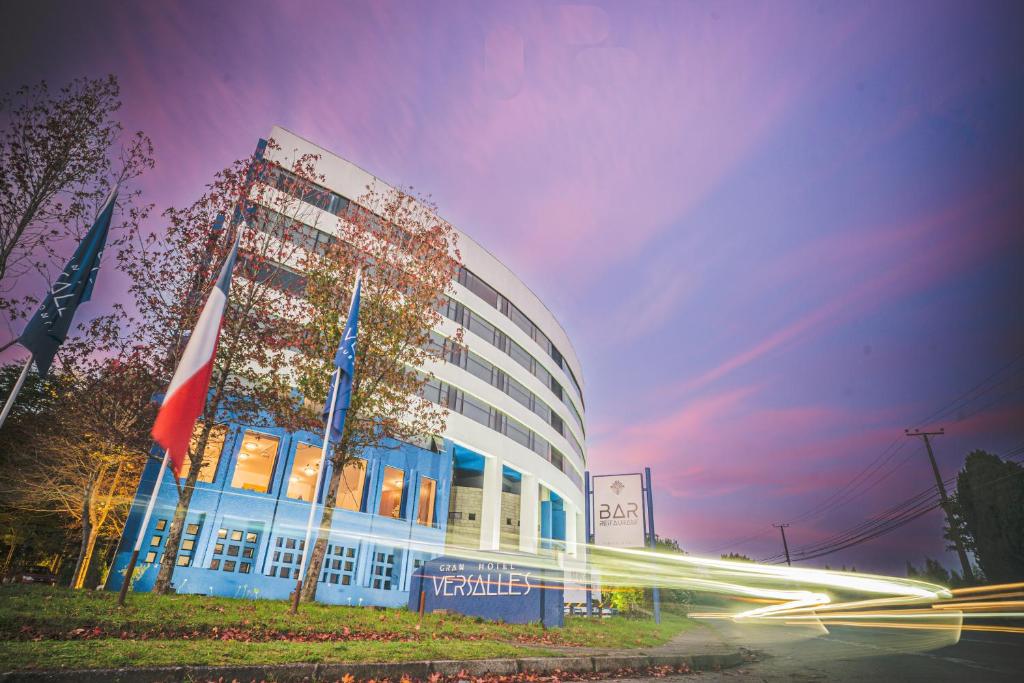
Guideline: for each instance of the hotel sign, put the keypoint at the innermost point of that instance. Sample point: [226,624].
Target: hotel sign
[619,510]
[504,590]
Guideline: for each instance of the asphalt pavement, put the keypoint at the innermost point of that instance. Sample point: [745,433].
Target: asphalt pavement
[860,654]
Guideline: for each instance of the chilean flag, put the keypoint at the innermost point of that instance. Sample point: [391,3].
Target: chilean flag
[186,396]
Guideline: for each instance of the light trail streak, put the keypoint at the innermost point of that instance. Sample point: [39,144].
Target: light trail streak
[775,595]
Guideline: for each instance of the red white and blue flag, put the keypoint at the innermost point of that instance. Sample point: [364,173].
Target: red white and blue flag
[186,396]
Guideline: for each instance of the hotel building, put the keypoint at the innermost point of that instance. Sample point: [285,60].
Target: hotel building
[507,474]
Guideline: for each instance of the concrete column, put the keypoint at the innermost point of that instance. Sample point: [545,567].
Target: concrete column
[571,515]
[490,505]
[528,507]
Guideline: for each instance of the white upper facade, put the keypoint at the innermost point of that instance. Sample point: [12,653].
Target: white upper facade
[558,420]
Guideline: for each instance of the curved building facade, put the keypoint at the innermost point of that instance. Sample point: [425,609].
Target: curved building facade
[507,475]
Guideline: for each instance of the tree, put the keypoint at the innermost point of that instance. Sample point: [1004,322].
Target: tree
[934,572]
[172,273]
[81,449]
[736,557]
[55,168]
[409,257]
[670,545]
[989,506]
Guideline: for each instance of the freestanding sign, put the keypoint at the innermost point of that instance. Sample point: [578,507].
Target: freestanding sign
[496,589]
[619,510]
[620,514]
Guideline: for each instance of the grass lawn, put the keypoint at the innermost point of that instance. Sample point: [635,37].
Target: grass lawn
[42,627]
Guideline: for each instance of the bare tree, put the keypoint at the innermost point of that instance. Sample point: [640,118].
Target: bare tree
[57,163]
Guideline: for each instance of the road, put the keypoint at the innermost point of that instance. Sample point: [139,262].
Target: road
[878,656]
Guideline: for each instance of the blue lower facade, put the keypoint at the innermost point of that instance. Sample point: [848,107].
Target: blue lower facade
[244,539]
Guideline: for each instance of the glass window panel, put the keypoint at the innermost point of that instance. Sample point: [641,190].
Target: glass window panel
[192,529]
[188,544]
[248,552]
[161,524]
[520,356]
[150,556]
[250,537]
[350,491]
[236,535]
[518,433]
[520,393]
[229,565]
[428,491]
[183,560]
[479,326]
[211,454]
[391,493]
[479,367]
[155,540]
[214,564]
[476,410]
[521,321]
[256,459]
[304,471]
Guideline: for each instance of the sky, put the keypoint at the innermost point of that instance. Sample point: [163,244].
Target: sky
[778,234]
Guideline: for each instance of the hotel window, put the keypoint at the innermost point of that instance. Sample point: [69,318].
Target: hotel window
[425,511]
[339,565]
[350,490]
[236,554]
[211,454]
[255,464]
[391,493]
[382,570]
[304,471]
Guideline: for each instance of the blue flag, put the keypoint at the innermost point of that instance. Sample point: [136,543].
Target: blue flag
[344,362]
[49,327]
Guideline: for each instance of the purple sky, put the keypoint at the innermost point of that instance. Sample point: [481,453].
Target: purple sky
[777,233]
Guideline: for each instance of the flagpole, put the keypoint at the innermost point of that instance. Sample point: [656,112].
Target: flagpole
[14,391]
[316,491]
[142,530]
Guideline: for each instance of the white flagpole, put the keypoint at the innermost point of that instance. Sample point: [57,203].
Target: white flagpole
[142,531]
[14,391]
[316,490]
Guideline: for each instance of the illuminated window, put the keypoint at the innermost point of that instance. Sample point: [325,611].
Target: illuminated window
[211,454]
[255,463]
[428,490]
[150,557]
[304,471]
[391,493]
[350,492]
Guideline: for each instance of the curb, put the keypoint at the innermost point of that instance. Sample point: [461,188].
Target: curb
[294,673]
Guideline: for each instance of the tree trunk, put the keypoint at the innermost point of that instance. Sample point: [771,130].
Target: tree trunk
[10,553]
[82,569]
[316,558]
[170,557]
[86,533]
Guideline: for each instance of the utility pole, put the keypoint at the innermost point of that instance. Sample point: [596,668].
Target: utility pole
[785,546]
[954,528]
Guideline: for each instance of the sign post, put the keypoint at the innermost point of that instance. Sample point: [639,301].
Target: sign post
[655,590]
[587,541]
[621,515]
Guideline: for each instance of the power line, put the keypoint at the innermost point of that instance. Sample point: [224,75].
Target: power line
[874,470]
[891,519]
